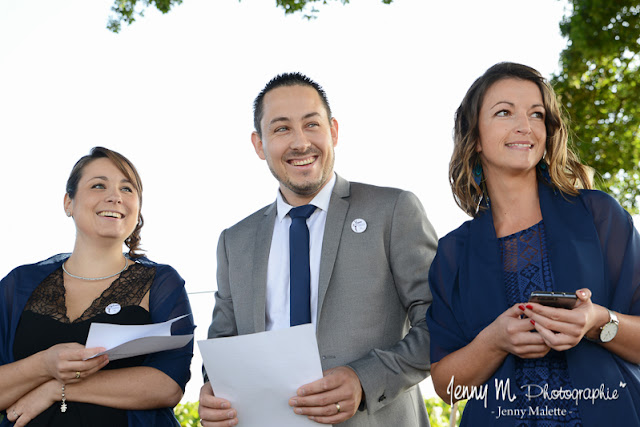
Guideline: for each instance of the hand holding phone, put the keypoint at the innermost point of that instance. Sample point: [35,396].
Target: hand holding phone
[554,299]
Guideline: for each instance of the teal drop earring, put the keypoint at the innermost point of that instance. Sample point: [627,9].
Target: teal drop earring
[477,174]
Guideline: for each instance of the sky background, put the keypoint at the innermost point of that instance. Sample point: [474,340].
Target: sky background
[174,94]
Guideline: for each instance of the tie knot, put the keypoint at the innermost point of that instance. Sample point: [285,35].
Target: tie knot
[303,211]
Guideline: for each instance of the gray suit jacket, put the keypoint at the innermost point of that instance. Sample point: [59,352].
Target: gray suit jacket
[372,294]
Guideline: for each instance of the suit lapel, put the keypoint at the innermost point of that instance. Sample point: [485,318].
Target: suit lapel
[264,234]
[338,207]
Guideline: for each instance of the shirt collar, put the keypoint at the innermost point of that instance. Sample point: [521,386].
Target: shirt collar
[321,200]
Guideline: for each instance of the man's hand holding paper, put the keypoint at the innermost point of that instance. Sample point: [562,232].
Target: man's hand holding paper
[257,374]
[330,400]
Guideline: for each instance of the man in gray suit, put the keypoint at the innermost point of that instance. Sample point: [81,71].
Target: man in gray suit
[370,249]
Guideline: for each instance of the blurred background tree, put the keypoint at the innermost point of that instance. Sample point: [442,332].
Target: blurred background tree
[187,414]
[597,82]
[126,11]
[598,85]
[439,413]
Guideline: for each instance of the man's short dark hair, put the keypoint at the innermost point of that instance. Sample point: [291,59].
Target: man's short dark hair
[281,80]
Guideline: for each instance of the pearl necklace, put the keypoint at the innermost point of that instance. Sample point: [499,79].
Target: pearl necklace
[95,278]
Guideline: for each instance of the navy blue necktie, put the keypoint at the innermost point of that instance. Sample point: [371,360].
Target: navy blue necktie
[299,270]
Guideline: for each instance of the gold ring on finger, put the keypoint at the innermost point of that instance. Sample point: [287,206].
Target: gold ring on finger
[338,407]
[77,375]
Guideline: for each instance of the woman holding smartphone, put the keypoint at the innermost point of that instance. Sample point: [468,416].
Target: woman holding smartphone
[535,227]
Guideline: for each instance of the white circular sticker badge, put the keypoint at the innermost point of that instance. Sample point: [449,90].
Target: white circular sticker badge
[113,308]
[359,225]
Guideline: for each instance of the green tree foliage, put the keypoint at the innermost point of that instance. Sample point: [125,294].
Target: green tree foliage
[439,413]
[187,414]
[126,11]
[599,86]
[307,7]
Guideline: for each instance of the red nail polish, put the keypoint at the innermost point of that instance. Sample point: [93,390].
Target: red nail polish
[533,322]
[521,307]
[529,306]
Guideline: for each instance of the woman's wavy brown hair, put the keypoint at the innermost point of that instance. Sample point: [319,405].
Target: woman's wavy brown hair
[128,170]
[566,172]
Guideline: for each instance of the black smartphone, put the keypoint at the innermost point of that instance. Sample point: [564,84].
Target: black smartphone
[554,299]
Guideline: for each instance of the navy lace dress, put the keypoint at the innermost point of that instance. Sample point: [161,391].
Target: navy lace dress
[526,269]
[44,323]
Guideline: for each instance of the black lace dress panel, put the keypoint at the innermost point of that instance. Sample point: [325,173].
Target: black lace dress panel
[44,323]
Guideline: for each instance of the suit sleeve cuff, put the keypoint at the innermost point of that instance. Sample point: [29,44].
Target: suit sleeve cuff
[373,391]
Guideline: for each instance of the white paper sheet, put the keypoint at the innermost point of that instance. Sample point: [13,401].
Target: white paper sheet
[122,341]
[259,373]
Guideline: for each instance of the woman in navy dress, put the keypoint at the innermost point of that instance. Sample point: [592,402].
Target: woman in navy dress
[46,310]
[536,227]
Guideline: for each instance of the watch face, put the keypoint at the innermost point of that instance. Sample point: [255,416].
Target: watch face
[608,332]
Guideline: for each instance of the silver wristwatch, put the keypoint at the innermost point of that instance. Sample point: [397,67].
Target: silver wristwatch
[610,329]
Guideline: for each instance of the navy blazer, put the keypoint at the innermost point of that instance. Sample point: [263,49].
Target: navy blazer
[592,243]
[167,300]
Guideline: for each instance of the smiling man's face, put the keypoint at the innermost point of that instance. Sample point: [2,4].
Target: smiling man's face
[298,141]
